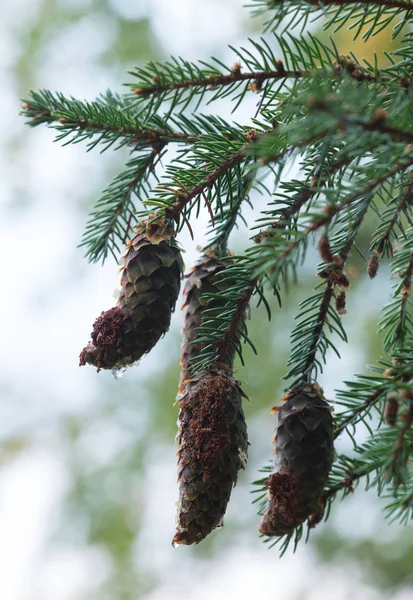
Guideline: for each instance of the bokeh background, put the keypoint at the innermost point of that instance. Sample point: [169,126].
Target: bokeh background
[87,462]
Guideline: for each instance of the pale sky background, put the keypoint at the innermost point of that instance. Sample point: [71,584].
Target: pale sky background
[50,297]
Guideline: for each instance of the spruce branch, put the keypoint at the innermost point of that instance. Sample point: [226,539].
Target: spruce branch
[319,177]
[378,127]
[309,336]
[333,209]
[396,468]
[397,319]
[346,476]
[81,120]
[349,119]
[394,379]
[184,198]
[256,78]
[402,4]
[221,340]
[354,416]
[179,82]
[365,17]
[113,219]
[402,329]
[382,241]
[213,81]
[224,223]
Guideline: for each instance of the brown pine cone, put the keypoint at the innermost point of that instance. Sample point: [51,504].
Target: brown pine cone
[150,280]
[303,456]
[202,279]
[212,448]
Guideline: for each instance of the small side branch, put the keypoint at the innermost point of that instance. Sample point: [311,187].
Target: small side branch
[214,81]
[400,456]
[308,191]
[135,134]
[396,4]
[239,299]
[232,330]
[318,329]
[348,119]
[383,239]
[112,218]
[404,294]
[353,417]
[173,211]
[171,81]
[346,484]
[333,209]
[86,119]
[378,126]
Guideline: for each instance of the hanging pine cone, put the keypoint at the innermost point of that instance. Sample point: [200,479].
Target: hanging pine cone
[202,279]
[150,280]
[304,453]
[212,448]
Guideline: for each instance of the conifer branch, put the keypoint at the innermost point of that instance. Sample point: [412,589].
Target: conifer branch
[333,209]
[396,4]
[240,298]
[319,177]
[318,329]
[232,331]
[257,78]
[376,124]
[184,198]
[346,484]
[363,16]
[85,120]
[113,218]
[213,81]
[179,81]
[368,391]
[353,417]
[222,225]
[396,319]
[400,332]
[382,237]
[379,127]
[308,336]
[396,467]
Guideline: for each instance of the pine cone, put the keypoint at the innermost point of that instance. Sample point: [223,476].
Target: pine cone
[202,279]
[213,447]
[304,453]
[150,280]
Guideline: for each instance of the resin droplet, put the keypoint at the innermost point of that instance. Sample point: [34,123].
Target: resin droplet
[118,373]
